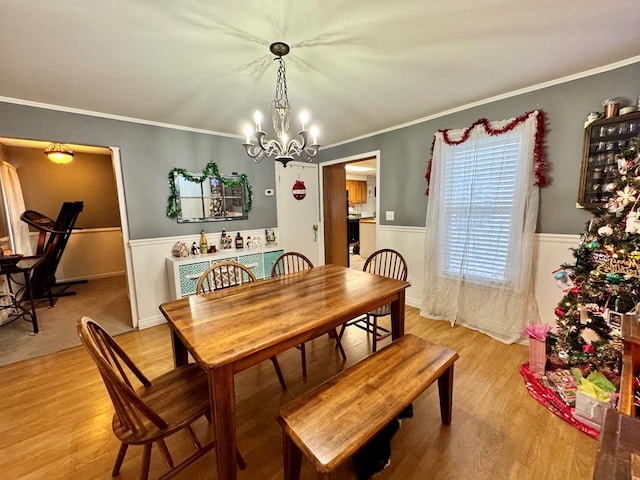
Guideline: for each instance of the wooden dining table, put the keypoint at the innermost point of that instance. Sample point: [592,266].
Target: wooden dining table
[230,330]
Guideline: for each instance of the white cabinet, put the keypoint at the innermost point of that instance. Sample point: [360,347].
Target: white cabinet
[183,273]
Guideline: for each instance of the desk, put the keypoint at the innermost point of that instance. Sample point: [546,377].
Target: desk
[26,265]
[230,330]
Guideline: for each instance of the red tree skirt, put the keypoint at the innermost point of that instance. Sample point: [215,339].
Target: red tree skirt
[552,402]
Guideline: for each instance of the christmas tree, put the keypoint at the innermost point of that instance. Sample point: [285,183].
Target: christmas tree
[604,282]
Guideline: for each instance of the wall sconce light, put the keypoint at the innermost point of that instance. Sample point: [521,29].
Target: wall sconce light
[59,153]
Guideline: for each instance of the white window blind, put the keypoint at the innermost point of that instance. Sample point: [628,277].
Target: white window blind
[479,182]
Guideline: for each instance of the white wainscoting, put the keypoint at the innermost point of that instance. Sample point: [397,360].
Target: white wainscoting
[151,284]
[551,251]
[152,289]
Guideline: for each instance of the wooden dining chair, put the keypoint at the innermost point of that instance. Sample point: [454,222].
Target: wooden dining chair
[292,262]
[154,410]
[387,263]
[224,274]
[227,274]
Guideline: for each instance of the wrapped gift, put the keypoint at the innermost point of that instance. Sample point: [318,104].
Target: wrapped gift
[593,397]
[590,410]
[537,356]
[537,334]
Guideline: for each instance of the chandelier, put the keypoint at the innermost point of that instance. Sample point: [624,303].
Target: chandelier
[283,149]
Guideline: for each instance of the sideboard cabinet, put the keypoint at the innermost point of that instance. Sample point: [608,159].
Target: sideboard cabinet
[183,273]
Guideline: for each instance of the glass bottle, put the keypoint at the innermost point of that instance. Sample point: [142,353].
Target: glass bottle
[204,245]
[239,241]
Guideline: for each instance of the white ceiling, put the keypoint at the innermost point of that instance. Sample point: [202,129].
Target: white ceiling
[359,66]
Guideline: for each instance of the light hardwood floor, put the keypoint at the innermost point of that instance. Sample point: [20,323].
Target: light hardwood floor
[55,415]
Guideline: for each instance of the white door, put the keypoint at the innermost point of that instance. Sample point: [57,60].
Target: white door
[298,208]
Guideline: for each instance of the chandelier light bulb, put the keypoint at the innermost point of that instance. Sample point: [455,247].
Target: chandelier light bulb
[248,131]
[314,135]
[257,118]
[304,118]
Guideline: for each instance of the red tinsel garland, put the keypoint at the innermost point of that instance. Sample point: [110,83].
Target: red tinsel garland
[540,181]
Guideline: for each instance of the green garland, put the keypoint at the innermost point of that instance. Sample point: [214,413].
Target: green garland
[210,170]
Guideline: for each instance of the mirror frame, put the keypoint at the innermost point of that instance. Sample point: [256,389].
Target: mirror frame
[174,209]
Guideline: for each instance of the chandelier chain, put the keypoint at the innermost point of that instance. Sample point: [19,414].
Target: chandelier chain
[281,110]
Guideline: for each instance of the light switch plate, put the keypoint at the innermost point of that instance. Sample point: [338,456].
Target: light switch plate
[390,214]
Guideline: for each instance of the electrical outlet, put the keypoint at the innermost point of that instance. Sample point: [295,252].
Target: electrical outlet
[390,214]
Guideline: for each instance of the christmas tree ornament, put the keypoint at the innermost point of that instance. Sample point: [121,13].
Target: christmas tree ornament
[613,279]
[627,195]
[632,222]
[605,231]
[593,244]
[595,275]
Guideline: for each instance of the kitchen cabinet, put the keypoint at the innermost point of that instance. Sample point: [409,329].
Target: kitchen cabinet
[357,191]
[183,273]
[603,141]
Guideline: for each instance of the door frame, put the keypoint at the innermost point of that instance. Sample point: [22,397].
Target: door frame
[124,226]
[349,159]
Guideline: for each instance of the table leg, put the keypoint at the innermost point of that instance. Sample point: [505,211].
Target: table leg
[27,287]
[397,316]
[180,353]
[223,410]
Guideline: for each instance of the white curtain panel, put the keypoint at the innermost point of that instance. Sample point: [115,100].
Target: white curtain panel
[497,308]
[13,204]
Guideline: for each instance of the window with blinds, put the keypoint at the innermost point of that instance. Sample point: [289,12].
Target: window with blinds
[480,178]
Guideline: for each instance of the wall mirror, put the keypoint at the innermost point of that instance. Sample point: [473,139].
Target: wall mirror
[208,196]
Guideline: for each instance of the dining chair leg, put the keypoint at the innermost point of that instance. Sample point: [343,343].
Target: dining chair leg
[334,335]
[373,326]
[274,360]
[146,460]
[240,461]
[303,356]
[165,454]
[119,459]
[344,325]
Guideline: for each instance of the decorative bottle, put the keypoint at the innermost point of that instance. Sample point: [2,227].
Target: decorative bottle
[239,241]
[204,245]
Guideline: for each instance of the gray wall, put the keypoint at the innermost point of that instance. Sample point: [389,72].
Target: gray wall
[148,154]
[404,152]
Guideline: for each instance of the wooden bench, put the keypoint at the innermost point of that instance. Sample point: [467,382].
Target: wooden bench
[330,423]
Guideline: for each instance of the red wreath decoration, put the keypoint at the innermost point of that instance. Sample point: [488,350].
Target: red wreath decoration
[540,181]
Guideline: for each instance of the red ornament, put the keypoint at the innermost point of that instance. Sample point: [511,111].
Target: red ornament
[560,312]
[588,348]
[299,190]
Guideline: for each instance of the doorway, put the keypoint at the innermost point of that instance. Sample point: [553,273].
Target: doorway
[97,251]
[335,210]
